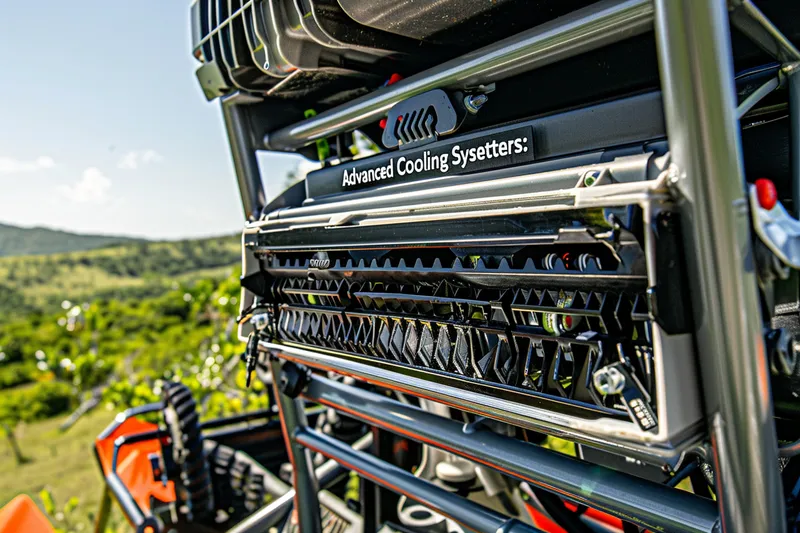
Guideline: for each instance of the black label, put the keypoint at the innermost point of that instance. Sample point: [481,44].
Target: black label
[501,149]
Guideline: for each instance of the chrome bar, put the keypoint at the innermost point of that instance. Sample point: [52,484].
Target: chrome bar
[756,96]
[126,440]
[746,17]
[267,517]
[603,433]
[648,504]
[131,509]
[272,514]
[305,484]
[695,61]
[470,515]
[243,152]
[129,413]
[583,30]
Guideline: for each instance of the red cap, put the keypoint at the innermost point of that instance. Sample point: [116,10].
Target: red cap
[766,193]
[394,78]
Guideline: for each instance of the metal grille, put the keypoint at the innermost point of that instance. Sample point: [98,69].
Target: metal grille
[540,340]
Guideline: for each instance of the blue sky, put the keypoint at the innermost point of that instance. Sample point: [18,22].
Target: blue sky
[103,127]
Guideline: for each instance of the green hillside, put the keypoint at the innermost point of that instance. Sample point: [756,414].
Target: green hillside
[40,283]
[118,353]
[15,241]
[106,328]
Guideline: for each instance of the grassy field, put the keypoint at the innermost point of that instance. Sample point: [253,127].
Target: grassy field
[64,463]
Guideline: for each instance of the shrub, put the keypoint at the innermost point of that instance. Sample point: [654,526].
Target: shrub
[36,402]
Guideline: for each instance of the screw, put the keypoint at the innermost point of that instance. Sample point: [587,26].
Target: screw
[591,177]
[609,380]
[474,102]
[673,174]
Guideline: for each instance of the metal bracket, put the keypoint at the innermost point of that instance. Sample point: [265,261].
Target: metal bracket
[615,379]
[777,229]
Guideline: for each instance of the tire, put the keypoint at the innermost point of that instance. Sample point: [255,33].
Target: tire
[183,422]
[238,482]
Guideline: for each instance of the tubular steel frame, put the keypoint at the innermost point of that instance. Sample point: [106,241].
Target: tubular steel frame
[649,504]
[696,64]
[695,60]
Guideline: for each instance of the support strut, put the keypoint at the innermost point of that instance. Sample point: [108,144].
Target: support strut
[694,52]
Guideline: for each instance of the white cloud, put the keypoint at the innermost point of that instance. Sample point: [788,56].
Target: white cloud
[92,188]
[9,165]
[136,158]
[151,156]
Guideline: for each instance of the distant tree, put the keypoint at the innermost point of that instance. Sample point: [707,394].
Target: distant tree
[37,402]
[8,430]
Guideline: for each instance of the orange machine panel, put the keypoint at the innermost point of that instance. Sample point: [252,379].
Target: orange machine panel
[133,466]
[21,514]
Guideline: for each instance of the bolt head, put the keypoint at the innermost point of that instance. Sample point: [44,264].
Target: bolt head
[609,380]
[474,102]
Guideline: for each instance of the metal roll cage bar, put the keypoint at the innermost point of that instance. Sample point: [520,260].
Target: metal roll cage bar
[697,82]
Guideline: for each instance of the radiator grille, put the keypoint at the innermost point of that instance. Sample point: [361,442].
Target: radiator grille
[543,340]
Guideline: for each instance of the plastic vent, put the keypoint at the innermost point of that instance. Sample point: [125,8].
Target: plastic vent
[421,119]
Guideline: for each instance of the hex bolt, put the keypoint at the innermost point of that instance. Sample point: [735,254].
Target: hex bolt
[609,380]
[474,102]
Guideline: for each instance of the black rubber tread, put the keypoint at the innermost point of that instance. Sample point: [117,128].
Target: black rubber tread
[220,460]
[254,492]
[239,474]
[238,482]
[195,474]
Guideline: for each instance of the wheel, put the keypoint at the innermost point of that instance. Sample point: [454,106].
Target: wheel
[238,482]
[180,413]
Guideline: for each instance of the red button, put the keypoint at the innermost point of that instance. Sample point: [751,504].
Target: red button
[394,78]
[766,193]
